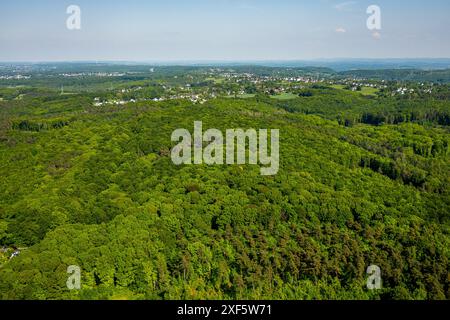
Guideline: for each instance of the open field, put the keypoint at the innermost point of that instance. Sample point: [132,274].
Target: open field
[285,96]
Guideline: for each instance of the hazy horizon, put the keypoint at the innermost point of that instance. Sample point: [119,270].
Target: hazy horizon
[223,30]
[228,60]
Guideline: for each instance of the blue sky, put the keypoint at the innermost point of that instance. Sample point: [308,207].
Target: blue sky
[168,30]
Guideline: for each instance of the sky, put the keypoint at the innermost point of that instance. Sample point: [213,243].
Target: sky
[222,30]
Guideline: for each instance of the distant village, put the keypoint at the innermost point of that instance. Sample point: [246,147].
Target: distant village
[199,87]
[227,83]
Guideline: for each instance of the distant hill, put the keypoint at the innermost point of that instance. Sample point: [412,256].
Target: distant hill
[441,76]
[354,64]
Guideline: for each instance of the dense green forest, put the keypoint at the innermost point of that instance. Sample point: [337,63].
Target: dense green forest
[363,180]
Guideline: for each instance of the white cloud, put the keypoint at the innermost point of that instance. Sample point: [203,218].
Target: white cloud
[341,30]
[246,6]
[344,5]
[376,35]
